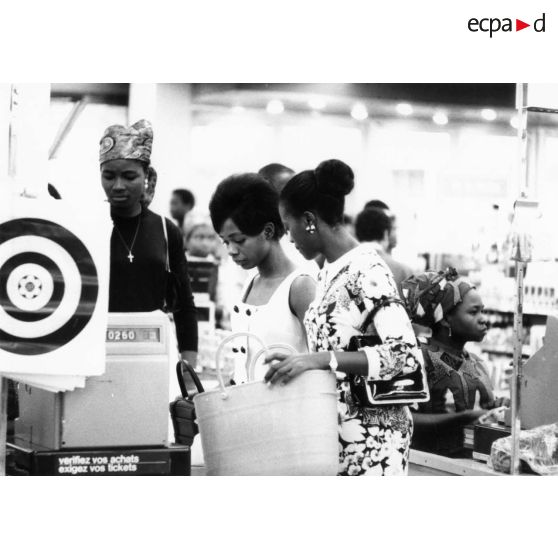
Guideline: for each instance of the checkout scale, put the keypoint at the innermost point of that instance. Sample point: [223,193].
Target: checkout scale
[119,423]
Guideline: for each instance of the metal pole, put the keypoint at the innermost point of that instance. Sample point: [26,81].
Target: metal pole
[12,139]
[12,142]
[66,126]
[517,377]
[521,265]
[3,423]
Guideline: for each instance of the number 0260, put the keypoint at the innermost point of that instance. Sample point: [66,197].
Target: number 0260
[121,335]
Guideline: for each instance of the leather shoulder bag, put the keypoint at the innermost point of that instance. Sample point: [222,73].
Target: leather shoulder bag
[403,389]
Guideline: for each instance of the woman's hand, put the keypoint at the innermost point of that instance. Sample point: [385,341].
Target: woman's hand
[284,368]
[492,416]
[191,357]
[502,402]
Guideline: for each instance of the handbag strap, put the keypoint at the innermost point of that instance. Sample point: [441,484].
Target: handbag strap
[180,366]
[383,304]
[167,264]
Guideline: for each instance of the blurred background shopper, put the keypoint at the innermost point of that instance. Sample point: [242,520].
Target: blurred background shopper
[382,206]
[277,175]
[181,204]
[374,226]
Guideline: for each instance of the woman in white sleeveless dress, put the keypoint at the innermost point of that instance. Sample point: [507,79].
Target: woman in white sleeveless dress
[244,212]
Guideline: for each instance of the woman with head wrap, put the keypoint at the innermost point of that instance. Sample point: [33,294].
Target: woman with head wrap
[138,255]
[453,310]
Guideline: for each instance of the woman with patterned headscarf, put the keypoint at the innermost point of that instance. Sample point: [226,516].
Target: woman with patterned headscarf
[453,310]
[139,243]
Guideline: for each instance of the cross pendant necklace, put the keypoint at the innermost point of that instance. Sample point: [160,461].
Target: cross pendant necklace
[130,256]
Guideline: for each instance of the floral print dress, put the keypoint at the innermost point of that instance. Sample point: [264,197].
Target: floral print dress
[372,440]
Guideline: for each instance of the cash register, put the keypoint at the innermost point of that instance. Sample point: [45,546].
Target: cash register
[118,423]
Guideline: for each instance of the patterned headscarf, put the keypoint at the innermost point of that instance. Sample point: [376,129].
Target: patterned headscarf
[430,296]
[119,142]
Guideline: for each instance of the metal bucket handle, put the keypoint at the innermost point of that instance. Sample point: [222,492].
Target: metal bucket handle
[220,350]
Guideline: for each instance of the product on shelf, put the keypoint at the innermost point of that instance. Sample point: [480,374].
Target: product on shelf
[538,449]
[540,284]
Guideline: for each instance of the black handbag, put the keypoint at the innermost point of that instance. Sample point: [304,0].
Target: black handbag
[182,410]
[171,302]
[400,390]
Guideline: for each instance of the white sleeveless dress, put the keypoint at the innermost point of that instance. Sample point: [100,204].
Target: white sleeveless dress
[272,323]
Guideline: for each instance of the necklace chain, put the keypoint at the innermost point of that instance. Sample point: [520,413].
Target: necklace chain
[130,256]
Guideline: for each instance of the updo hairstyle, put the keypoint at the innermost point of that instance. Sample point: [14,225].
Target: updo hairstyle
[321,191]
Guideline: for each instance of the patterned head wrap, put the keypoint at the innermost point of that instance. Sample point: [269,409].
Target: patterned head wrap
[119,142]
[430,296]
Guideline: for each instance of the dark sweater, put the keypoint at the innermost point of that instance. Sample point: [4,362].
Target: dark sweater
[140,286]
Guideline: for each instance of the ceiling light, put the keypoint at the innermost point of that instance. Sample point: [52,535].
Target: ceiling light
[440,118]
[359,112]
[275,107]
[404,109]
[317,103]
[489,114]
[515,121]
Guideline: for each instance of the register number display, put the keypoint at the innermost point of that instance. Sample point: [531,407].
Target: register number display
[134,334]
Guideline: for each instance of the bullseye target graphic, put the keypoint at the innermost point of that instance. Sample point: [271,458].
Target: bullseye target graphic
[48,286]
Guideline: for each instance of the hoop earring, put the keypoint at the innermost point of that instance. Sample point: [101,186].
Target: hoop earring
[310,228]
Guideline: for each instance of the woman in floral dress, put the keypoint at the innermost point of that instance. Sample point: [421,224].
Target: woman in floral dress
[353,284]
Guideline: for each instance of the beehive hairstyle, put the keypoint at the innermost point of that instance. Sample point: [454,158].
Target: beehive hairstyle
[250,201]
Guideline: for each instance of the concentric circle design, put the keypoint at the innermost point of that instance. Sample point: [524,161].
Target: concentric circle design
[30,287]
[48,286]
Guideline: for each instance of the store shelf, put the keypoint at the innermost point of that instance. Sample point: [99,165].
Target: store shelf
[525,312]
[503,352]
[541,110]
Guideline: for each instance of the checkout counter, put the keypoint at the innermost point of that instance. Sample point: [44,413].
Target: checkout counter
[428,464]
[539,396]
[117,424]
[472,460]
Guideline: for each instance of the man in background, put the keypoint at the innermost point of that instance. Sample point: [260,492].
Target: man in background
[379,204]
[373,225]
[277,174]
[182,202]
